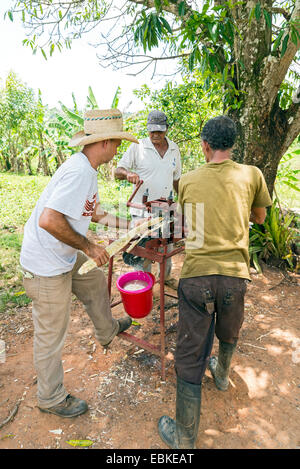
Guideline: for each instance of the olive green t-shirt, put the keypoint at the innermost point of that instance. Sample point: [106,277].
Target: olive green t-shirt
[216,200]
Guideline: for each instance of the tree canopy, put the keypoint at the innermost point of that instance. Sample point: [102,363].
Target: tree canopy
[246,48]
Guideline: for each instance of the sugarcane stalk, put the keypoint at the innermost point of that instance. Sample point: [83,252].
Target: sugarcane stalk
[120,243]
[147,233]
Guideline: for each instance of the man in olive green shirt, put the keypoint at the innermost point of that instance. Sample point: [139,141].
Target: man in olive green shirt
[217,200]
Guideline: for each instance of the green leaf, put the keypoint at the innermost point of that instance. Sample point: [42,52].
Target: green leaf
[256,264]
[211,62]
[44,54]
[135,323]
[284,44]
[241,64]
[115,100]
[82,443]
[92,98]
[10,15]
[251,15]
[157,4]
[268,19]
[181,8]
[213,31]
[294,36]
[192,60]
[257,11]
[296,188]
[72,115]
[205,8]
[225,73]
[166,25]
[278,40]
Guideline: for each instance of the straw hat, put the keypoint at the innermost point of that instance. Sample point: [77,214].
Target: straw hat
[101,125]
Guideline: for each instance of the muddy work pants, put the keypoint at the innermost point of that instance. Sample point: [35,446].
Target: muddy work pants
[51,304]
[207,305]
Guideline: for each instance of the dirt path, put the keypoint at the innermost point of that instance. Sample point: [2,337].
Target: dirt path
[125,393]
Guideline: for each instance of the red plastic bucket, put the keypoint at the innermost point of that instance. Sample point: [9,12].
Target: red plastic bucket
[137,304]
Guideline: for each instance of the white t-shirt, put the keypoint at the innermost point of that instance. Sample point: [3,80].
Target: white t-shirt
[73,191]
[157,173]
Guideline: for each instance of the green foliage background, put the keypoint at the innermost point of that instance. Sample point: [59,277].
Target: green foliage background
[34,142]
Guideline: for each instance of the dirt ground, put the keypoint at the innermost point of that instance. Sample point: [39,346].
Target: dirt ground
[126,395]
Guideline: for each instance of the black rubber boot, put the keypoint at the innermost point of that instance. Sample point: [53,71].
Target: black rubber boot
[219,367]
[182,433]
[70,407]
[124,323]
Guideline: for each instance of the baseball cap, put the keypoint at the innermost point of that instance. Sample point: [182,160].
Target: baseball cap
[157,121]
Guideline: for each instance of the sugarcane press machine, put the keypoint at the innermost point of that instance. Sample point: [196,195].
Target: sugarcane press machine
[155,249]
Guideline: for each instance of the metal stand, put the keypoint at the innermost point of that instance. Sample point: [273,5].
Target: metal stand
[150,252]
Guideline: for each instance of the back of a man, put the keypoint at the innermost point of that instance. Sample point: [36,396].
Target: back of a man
[224,193]
[217,200]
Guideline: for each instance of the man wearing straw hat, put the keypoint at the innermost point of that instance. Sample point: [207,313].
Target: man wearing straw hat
[54,248]
[156,161]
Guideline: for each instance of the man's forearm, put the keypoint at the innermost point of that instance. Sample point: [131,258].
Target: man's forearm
[175,185]
[121,173]
[107,219]
[258,215]
[56,224]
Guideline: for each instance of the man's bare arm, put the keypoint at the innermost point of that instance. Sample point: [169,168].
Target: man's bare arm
[258,215]
[175,185]
[56,224]
[122,173]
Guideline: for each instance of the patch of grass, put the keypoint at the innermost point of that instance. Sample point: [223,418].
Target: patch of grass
[10,300]
[11,279]
[18,196]
[114,196]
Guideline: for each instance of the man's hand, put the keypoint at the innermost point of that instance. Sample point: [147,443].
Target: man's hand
[141,221]
[122,173]
[56,224]
[97,253]
[258,215]
[133,177]
[108,219]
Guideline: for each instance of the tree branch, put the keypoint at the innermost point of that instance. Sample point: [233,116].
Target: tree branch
[286,124]
[168,7]
[275,68]
[281,11]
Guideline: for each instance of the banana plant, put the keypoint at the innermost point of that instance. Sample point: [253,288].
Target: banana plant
[70,121]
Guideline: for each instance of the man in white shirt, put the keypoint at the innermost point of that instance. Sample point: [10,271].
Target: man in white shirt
[54,248]
[156,161]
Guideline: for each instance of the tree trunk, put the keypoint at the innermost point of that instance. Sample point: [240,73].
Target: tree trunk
[43,163]
[28,164]
[265,130]
[263,139]
[6,162]
[60,158]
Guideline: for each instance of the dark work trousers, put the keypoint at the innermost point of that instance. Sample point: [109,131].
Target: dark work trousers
[207,305]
